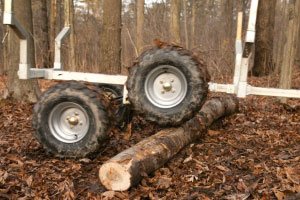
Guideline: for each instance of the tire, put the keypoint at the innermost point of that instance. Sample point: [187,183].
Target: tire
[70,120]
[120,113]
[163,71]
[113,92]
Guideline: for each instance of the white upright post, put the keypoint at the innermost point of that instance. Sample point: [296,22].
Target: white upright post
[250,39]
[238,49]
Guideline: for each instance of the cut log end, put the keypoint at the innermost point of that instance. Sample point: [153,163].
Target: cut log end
[115,177]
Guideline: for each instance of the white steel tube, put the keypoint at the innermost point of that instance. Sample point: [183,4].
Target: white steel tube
[58,40]
[273,92]
[88,77]
[238,49]
[250,35]
[8,12]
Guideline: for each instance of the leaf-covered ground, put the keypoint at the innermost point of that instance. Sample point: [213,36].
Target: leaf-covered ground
[253,154]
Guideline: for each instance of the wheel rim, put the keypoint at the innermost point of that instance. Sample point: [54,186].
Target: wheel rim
[165,86]
[68,122]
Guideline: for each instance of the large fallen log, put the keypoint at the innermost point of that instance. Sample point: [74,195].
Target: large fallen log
[128,167]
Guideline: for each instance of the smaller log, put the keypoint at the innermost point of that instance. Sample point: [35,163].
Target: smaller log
[128,167]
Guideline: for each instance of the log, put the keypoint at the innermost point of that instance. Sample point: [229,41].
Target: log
[128,167]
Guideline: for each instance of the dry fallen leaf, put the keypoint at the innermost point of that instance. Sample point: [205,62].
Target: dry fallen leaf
[29,181]
[222,168]
[188,159]
[238,196]
[279,195]
[164,182]
[213,132]
[108,194]
[293,174]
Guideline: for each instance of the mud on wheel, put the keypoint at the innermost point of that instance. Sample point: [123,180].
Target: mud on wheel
[70,120]
[167,85]
[120,114]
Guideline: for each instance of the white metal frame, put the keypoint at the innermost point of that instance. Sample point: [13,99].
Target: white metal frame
[239,86]
[243,55]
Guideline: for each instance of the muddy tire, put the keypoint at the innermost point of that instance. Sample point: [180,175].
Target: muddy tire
[70,120]
[120,114]
[167,85]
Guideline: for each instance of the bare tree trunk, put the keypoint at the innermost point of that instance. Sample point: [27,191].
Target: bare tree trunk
[263,61]
[227,20]
[140,7]
[21,89]
[127,168]
[3,34]
[279,29]
[52,28]
[110,52]
[297,60]
[186,32]
[175,21]
[40,22]
[200,23]
[69,22]
[292,10]
[193,24]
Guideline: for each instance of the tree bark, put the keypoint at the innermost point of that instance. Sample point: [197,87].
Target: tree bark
[297,59]
[199,24]
[140,8]
[263,61]
[69,22]
[127,168]
[292,10]
[186,31]
[193,24]
[175,21]
[52,28]
[40,27]
[279,29]
[227,21]
[16,88]
[110,51]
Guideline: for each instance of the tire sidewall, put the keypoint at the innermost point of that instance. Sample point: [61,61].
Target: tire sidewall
[192,100]
[97,131]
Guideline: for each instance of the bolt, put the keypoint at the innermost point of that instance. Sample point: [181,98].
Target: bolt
[73,121]
[163,92]
[76,113]
[173,91]
[172,81]
[161,82]
[167,86]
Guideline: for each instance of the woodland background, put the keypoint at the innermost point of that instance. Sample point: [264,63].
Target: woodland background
[106,36]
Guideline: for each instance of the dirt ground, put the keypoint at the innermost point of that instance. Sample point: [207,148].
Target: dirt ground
[253,154]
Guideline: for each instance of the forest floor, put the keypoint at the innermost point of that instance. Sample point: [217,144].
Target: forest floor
[253,154]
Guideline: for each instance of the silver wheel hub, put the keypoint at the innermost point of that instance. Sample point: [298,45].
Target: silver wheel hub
[165,86]
[68,122]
